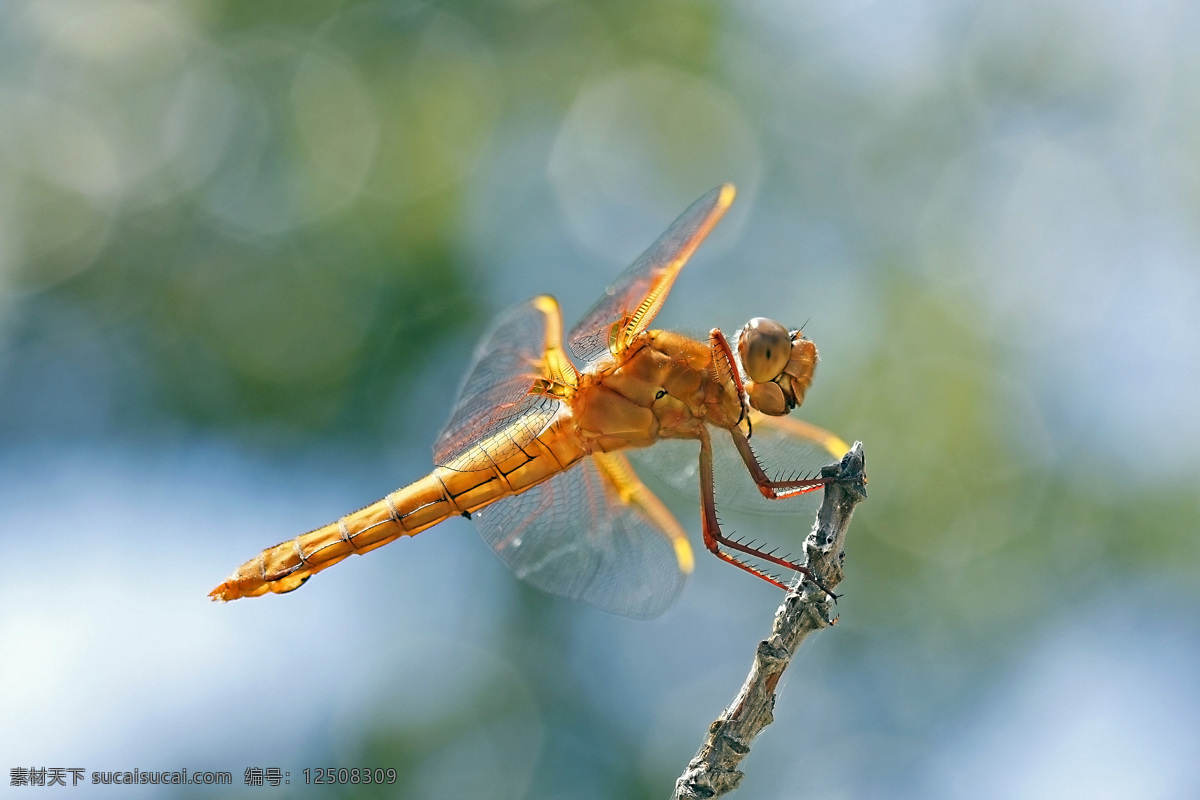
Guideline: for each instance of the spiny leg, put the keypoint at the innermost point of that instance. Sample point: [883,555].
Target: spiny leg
[724,368]
[713,538]
[771,489]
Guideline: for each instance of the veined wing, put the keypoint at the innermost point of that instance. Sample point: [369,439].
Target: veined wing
[593,534]
[495,412]
[628,306]
[787,447]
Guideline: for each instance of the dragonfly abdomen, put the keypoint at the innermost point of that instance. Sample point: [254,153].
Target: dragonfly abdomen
[284,567]
[441,494]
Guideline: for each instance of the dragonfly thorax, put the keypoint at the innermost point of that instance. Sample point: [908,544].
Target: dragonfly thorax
[663,388]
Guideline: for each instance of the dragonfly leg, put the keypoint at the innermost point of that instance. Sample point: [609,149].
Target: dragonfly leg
[714,539]
[725,368]
[771,489]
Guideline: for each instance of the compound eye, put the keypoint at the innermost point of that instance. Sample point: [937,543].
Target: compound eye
[765,347]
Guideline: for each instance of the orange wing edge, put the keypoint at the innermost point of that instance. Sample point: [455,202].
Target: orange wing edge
[832,443]
[625,331]
[621,478]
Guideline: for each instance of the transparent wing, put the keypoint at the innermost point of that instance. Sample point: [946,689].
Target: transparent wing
[638,293]
[495,413]
[592,535]
[788,448]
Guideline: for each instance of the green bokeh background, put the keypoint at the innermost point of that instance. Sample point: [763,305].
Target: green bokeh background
[246,248]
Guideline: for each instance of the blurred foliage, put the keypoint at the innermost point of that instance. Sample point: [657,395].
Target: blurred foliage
[292,249]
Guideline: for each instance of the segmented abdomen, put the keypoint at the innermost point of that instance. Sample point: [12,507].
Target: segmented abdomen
[440,495]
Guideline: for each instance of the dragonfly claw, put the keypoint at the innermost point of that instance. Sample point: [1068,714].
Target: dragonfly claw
[821,586]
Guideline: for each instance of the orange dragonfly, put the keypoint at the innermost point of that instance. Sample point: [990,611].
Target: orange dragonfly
[532,451]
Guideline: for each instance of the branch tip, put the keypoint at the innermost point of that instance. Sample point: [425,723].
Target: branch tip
[713,771]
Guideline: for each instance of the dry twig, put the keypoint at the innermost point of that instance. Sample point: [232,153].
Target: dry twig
[713,771]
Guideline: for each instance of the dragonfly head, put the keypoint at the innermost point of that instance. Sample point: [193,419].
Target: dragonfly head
[778,365]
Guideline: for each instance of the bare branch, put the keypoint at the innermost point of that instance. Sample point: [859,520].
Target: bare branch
[713,771]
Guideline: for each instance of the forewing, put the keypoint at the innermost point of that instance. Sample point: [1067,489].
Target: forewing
[575,537]
[787,448]
[495,413]
[638,293]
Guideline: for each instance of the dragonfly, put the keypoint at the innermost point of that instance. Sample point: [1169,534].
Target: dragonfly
[535,448]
